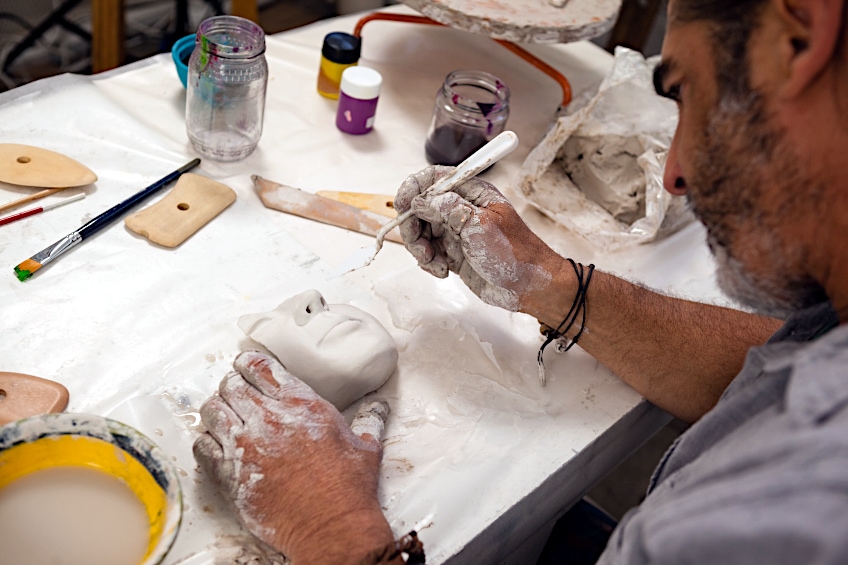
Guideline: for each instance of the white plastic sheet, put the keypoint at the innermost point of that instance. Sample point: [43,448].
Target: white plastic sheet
[610,193]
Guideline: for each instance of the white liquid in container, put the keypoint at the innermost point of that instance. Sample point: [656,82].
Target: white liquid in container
[71,516]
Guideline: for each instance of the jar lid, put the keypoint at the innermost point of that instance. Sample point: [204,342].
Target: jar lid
[340,47]
[361,83]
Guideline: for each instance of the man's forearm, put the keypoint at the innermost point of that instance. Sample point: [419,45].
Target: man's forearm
[678,354]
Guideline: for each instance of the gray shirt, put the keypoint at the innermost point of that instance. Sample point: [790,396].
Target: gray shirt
[762,477]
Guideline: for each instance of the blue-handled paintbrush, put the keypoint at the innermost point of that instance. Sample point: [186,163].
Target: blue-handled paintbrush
[26,269]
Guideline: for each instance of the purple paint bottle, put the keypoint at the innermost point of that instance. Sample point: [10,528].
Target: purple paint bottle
[358,95]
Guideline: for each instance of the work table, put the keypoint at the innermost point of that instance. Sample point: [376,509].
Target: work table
[474,447]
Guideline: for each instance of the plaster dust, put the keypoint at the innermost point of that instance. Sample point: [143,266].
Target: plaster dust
[490,374]
[72,516]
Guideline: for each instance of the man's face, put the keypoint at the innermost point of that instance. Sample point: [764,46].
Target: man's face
[738,169]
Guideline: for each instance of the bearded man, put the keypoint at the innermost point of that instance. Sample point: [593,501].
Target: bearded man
[762,474]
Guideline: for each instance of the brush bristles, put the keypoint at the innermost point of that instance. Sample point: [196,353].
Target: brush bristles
[26,269]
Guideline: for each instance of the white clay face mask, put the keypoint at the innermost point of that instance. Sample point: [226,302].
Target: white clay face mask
[72,516]
[340,351]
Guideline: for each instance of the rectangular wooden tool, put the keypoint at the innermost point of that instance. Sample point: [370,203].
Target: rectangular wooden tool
[194,201]
[382,204]
[307,205]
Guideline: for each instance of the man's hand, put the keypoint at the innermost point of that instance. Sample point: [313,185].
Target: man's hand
[299,478]
[475,232]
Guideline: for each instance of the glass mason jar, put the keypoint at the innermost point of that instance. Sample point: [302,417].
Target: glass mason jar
[227,78]
[471,108]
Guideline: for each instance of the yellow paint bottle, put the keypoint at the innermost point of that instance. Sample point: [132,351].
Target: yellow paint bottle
[340,51]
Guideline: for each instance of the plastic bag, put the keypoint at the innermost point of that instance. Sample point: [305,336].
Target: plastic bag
[598,171]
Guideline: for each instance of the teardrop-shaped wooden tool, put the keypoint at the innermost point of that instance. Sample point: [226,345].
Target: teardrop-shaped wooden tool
[26,165]
[22,396]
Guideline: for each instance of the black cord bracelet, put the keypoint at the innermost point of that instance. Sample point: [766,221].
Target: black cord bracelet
[408,547]
[578,307]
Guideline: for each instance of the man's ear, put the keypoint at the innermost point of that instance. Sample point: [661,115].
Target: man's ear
[809,39]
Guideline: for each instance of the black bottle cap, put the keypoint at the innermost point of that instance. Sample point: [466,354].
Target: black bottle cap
[340,47]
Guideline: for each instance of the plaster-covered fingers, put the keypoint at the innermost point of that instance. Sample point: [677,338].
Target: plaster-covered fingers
[480,192]
[208,452]
[262,371]
[219,418]
[414,232]
[370,420]
[438,267]
[216,450]
[446,211]
[417,183]
[416,241]
[211,457]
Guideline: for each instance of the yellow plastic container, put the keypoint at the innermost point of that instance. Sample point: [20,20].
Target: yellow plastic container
[339,51]
[88,441]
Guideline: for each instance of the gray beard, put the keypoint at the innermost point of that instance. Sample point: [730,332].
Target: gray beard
[738,145]
[739,286]
[777,299]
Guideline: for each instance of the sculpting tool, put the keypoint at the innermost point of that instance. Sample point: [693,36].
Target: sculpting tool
[25,395]
[383,204]
[26,269]
[38,195]
[295,201]
[33,211]
[501,146]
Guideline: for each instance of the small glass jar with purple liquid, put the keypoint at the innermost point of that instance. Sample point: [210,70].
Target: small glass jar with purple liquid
[471,108]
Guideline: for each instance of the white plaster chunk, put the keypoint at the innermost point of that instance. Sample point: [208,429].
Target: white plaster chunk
[340,351]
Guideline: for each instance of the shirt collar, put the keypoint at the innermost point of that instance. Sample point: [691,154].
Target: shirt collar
[818,379]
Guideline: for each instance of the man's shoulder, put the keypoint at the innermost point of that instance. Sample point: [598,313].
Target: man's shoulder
[761,478]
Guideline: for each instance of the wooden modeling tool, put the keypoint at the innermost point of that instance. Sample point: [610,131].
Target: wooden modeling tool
[26,269]
[502,145]
[382,204]
[194,201]
[326,210]
[25,165]
[22,396]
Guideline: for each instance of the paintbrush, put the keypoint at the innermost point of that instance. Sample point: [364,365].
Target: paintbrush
[43,208]
[26,269]
[496,149]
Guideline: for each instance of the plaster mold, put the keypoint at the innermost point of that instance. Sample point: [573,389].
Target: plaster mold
[342,352]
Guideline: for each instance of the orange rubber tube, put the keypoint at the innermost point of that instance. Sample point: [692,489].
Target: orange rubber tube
[521,52]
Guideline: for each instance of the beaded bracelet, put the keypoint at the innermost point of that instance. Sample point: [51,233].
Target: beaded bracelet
[408,545]
[577,307]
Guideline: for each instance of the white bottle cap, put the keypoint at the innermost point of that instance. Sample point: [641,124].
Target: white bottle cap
[361,83]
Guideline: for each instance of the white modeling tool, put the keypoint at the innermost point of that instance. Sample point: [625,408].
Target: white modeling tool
[43,208]
[496,149]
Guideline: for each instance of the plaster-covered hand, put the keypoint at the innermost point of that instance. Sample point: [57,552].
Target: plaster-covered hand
[299,478]
[475,232]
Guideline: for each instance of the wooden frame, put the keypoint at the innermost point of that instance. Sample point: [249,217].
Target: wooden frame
[107,30]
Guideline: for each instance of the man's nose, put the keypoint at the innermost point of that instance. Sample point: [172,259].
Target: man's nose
[673,175]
